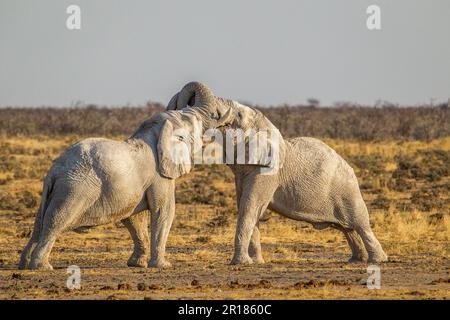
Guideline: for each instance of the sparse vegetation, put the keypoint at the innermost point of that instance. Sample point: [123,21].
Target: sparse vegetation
[343,122]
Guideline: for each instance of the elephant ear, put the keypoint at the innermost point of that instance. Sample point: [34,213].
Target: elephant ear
[270,151]
[173,152]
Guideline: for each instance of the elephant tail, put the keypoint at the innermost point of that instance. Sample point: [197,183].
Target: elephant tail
[46,192]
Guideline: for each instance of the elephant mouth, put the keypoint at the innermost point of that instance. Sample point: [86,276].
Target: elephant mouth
[226,146]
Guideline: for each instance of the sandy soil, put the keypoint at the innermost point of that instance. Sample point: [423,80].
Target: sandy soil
[200,270]
[301,263]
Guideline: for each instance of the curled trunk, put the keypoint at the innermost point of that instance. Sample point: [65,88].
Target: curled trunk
[194,94]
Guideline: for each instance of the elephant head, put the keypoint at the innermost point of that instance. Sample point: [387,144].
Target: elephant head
[248,120]
[179,130]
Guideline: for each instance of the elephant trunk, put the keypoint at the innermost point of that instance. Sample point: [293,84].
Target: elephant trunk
[193,94]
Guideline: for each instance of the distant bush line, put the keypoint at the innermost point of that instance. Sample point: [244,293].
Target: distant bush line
[360,123]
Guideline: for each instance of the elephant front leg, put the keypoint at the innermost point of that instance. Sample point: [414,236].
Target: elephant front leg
[137,225]
[161,222]
[253,202]
[245,225]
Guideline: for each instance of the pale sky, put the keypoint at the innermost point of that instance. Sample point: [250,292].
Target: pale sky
[265,52]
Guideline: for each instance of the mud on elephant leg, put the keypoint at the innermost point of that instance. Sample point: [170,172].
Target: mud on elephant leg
[137,225]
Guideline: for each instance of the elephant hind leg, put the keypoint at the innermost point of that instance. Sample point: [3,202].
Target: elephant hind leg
[39,257]
[355,243]
[373,246]
[25,256]
[50,231]
[137,225]
[359,253]
[26,252]
[362,227]
[57,218]
[254,250]
[354,209]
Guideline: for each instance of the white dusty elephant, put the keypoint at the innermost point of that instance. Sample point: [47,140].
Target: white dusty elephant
[99,181]
[313,184]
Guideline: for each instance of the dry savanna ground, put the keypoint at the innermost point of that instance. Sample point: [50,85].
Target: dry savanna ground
[406,185]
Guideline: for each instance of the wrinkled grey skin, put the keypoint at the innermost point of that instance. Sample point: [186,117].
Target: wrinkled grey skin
[99,181]
[314,184]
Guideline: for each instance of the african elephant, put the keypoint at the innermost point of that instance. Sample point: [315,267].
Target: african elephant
[311,183]
[98,181]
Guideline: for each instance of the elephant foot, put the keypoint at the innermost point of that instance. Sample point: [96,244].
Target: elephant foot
[138,261]
[378,257]
[258,260]
[24,264]
[160,264]
[39,265]
[357,259]
[241,260]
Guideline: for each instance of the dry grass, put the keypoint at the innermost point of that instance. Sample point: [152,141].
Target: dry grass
[345,122]
[406,185]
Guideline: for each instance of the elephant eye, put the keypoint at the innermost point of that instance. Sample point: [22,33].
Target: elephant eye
[214,116]
[239,115]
